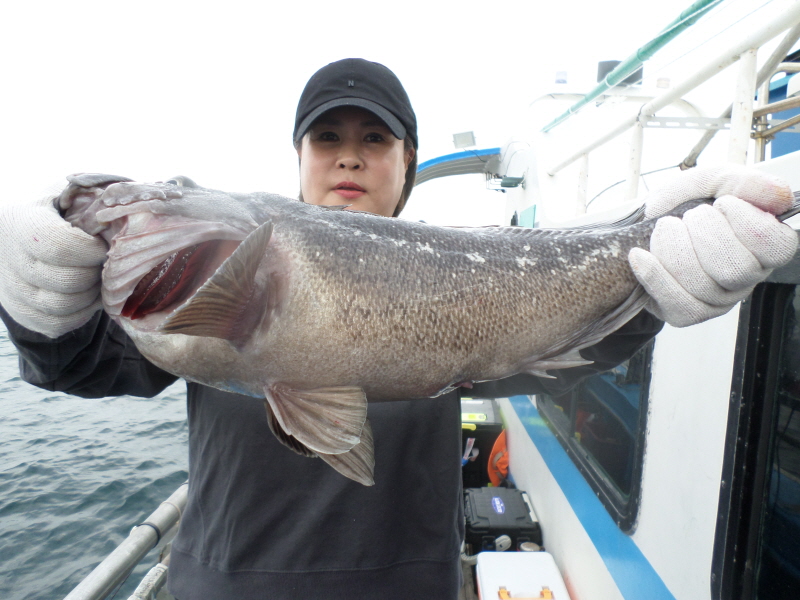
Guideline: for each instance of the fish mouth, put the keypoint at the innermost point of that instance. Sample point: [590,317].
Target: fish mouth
[176,278]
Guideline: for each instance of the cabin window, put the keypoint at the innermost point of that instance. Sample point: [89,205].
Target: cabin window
[757,553]
[601,424]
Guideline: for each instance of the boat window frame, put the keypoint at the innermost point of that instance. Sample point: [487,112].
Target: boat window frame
[624,510]
[744,483]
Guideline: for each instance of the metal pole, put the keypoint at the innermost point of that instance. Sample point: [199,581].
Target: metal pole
[583,184]
[754,40]
[143,538]
[761,123]
[777,107]
[685,20]
[742,113]
[635,165]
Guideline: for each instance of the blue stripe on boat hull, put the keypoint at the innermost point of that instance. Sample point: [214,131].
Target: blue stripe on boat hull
[630,569]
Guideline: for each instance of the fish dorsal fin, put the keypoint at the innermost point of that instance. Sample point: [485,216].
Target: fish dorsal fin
[230,304]
[359,463]
[326,420]
[283,438]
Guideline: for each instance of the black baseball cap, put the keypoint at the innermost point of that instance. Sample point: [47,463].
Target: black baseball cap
[357,82]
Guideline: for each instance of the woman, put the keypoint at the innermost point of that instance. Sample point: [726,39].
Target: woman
[261,521]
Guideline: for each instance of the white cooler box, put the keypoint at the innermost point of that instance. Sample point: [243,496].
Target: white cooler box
[519,575]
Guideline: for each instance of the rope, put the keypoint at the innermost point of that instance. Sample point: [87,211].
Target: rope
[155,528]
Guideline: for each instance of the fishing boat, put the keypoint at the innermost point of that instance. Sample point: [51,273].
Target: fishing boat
[675,475]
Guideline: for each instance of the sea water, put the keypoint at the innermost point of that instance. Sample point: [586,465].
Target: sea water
[76,475]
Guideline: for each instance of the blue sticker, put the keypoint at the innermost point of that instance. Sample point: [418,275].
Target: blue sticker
[498,506]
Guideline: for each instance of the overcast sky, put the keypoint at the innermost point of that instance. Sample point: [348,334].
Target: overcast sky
[209,89]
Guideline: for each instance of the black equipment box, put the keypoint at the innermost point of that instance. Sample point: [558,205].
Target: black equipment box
[493,511]
[480,420]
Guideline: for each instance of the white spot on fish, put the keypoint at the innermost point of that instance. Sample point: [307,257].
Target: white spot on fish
[357,232]
[373,236]
[399,242]
[526,248]
[425,248]
[613,250]
[523,261]
[475,257]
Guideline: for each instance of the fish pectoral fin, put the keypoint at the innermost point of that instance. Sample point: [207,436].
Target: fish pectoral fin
[357,464]
[285,439]
[231,303]
[326,420]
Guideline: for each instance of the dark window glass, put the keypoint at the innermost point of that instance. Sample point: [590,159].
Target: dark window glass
[757,546]
[778,574]
[601,424]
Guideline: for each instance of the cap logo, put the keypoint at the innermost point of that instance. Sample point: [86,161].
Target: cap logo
[351,83]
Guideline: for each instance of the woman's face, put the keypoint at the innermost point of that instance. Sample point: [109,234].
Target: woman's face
[350,157]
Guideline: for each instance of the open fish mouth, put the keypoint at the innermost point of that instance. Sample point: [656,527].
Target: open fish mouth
[176,279]
[163,245]
[155,264]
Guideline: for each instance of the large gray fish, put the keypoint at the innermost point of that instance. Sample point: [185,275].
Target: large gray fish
[319,310]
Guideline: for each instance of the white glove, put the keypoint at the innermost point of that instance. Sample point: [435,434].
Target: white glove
[700,266]
[49,270]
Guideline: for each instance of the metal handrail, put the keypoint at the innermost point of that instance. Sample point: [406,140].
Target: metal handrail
[767,133]
[159,527]
[777,106]
[772,66]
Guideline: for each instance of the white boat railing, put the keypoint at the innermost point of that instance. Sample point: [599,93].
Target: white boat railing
[157,529]
[741,113]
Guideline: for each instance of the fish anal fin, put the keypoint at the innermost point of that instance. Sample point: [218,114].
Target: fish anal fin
[538,373]
[358,463]
[233,301]
[285,439]
[564,361]
[327,420]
